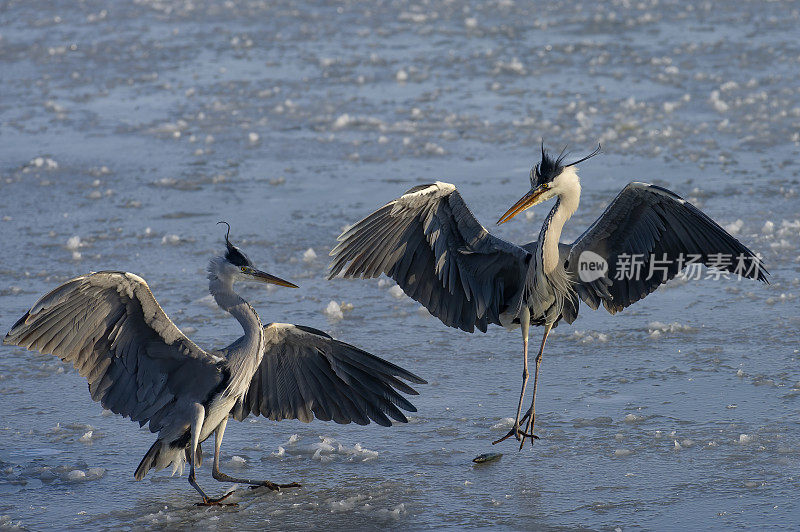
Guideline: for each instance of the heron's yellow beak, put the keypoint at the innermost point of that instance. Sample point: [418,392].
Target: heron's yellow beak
[528,200]
[271,279]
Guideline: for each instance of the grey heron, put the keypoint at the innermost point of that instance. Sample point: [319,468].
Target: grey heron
[140,365]
[430,243]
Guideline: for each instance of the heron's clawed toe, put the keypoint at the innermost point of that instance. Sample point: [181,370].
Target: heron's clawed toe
[515,431]
[217,502]
[504,438]
[275,487]
[527,435]
[266,484]
[518,434]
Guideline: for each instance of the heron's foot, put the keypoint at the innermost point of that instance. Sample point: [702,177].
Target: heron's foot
[515,431]
[528,432]
[207,501]
[520,435]
[273,486]
[532,436]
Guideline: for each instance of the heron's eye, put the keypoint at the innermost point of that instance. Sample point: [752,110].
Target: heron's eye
[545,185]
[244,269]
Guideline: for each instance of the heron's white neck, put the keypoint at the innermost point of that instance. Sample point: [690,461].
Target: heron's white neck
[230,301]
[243,360]
[567,187]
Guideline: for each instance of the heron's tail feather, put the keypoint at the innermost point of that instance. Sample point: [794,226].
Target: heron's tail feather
[160,455]
[148,461]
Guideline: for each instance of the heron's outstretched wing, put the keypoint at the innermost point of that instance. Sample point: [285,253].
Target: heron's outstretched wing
[306,373]
[440,255]
[114,332]
[647,235]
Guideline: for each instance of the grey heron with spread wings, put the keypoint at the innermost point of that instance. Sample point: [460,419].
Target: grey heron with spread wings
[430,243]
[140,365]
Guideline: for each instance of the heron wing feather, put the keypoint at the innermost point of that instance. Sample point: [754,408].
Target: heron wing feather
[430,243]
[114,332]
[653,224]
[306,373]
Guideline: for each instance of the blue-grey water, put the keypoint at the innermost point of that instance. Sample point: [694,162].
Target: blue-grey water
[128,129]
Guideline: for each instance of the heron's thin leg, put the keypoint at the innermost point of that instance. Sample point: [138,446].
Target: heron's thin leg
[222,477]
[525,322]
[219,432]
[532,418]
[197,424]
[531,410]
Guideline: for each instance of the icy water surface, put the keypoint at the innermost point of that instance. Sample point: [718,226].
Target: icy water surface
[127,130]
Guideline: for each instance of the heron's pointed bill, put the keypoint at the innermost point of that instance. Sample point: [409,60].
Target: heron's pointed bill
[271,279]
[528,200]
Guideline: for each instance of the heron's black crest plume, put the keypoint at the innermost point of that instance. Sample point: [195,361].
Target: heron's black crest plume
[549,167]
[595,152]
[234,255]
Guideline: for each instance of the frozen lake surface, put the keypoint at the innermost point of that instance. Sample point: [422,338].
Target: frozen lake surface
[128,130]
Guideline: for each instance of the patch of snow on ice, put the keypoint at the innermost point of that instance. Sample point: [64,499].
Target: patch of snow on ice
[238,461]
[76,475]
[504,424]
[309,255]
[334,311]
[655,328]
[325,450]
[397,292]
[74,242]
[734,227]
[279,453]
[342,121]
[347,504]
[395,512]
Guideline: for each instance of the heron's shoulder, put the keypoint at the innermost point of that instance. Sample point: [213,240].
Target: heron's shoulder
[111,278]
[430,188]
[118,281]
[639,187]
[282,330]
[278,327]
[106,277]
[427,192]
